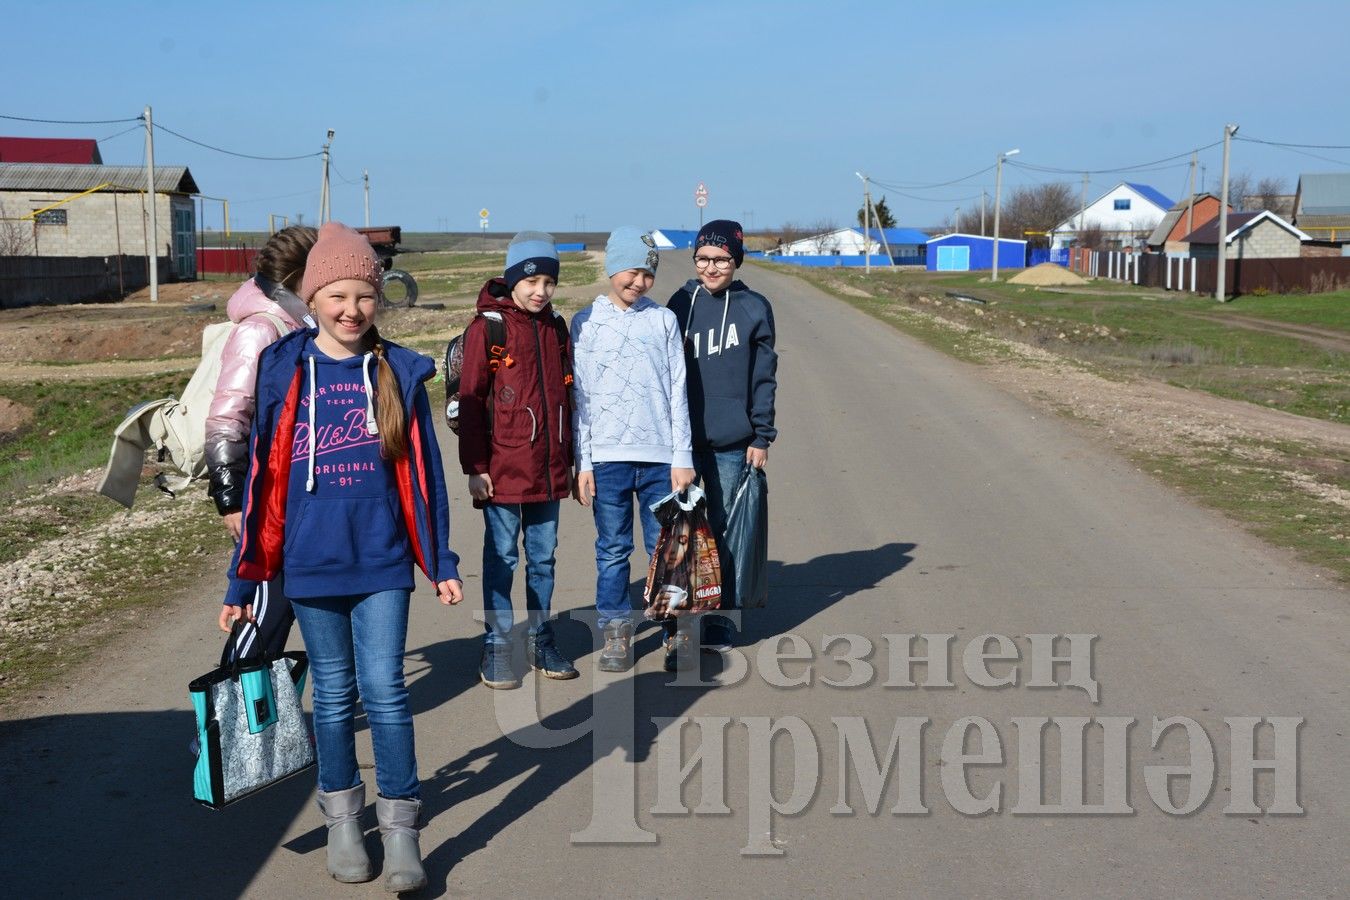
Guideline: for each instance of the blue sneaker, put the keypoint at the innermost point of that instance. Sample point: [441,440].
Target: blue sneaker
[495,670]
[547,660]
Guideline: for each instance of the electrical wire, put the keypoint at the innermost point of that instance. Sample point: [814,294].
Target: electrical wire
[235,153]
[136,127]
[1134,168]
[73,121]
[899,186]
[1253,140]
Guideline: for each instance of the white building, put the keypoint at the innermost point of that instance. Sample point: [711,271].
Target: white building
[1126,213]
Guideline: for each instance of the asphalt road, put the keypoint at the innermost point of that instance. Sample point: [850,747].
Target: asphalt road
[907,496]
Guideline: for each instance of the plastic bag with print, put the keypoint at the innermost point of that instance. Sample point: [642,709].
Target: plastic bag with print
[685,575]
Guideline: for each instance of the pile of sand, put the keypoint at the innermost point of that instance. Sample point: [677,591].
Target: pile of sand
[1047,275]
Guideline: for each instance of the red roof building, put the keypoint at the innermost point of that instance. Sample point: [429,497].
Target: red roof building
[79,151]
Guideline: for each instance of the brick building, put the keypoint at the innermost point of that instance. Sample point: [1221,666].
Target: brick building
[110,219]
[1251,235]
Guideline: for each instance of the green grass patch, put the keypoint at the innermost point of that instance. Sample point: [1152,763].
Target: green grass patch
[1258,494]
[1330,311]
[72,425]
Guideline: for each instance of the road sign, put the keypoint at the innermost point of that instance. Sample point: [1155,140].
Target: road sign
[483,224]
[701,190]
[483,213]
[701,201]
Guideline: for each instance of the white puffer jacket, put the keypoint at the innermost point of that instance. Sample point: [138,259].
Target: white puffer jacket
[231,414]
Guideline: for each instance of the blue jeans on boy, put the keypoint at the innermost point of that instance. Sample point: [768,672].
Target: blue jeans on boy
[360,640]
[503,524]
[720,472]
[617,484]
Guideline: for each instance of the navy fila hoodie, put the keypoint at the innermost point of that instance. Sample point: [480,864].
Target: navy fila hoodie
[731,365]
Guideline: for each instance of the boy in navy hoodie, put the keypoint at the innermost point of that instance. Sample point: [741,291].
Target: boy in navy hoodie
[732,376]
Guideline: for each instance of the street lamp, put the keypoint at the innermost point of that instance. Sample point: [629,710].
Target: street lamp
[867,216]
[324,212]
[1220,288]
[998,196]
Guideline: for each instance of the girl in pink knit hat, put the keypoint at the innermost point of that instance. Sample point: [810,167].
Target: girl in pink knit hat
[344,495]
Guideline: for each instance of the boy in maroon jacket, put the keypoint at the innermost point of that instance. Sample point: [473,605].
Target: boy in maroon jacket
[515,444]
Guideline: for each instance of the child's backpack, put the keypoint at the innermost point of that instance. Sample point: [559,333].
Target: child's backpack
[176,428]
[497,357]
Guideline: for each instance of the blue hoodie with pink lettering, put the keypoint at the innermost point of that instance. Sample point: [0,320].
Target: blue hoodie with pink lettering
[322,506]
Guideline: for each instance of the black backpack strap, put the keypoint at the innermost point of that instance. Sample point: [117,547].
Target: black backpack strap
[564,347]
[495,341]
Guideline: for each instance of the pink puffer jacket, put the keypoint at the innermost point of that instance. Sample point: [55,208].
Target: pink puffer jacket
[231,415]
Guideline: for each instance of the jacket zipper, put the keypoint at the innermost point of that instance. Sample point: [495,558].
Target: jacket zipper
[543,408]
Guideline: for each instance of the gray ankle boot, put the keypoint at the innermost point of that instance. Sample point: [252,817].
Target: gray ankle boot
[402,856]
[347,859]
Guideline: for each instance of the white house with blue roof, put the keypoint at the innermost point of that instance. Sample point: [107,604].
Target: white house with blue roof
[1126,214]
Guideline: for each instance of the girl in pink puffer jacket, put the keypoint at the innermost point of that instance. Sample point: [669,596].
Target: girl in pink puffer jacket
[256,308]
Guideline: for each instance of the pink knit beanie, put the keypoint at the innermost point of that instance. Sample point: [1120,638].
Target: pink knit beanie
[338,254]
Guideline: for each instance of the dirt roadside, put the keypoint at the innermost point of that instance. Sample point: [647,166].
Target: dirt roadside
[1131,416]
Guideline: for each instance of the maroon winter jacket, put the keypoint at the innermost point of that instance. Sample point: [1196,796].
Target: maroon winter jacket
[527,450]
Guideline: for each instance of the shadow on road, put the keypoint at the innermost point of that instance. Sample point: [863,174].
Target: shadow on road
[99,803]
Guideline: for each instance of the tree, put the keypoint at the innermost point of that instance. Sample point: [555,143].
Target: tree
[1092,237]
[16,235]
[880,217]
[824,237]
[789,232]
[1031,211]
[1269,194]
[1239,189]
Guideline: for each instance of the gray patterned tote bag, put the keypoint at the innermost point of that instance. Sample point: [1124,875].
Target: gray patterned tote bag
[251,731]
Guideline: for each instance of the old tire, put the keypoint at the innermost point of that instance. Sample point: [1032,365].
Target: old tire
[409,286]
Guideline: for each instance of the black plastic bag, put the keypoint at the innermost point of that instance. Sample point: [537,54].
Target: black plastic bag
[746,547]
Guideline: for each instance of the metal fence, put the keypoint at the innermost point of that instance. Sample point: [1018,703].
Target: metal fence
[1301,274]
[31,280]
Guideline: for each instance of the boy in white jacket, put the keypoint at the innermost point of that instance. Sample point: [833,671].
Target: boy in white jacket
[631,426]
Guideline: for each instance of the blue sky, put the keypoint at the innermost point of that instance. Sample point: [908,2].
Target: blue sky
[547,112]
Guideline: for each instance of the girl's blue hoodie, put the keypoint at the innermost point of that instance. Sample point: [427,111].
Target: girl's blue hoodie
[321,505]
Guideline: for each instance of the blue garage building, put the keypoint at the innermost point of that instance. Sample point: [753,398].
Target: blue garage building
[973,252]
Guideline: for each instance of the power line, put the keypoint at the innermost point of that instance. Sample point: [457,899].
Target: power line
[898,186]
[235,153]
[72,121]
[1134,168]
[1253,140]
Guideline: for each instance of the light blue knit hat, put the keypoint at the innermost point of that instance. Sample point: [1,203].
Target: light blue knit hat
[630,248]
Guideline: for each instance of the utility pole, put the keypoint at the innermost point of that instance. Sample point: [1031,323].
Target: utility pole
[998,197]
[867,215]
[365,176]
[323,189]
[1190,200]
[881,231]
[152,244]
[1082,209]
[983,196]
[1220,292]
[956,220]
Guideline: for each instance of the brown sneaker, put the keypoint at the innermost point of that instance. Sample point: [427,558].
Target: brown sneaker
[617,654]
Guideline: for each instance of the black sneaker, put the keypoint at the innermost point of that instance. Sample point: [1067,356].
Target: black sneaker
[617,654]
[495,670]
[718,634]
[679,651]
[545,659]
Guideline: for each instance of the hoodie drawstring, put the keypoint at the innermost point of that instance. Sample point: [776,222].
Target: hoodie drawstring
[726,306]
[313,395]
[372,426]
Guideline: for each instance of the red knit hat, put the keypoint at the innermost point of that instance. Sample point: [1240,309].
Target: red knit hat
[340,253]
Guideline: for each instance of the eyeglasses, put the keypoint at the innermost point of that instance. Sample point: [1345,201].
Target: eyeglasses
[717,262]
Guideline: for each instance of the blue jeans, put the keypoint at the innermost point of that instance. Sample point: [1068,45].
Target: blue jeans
[720,471]
[617,484]
[360,640]
[501,556]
